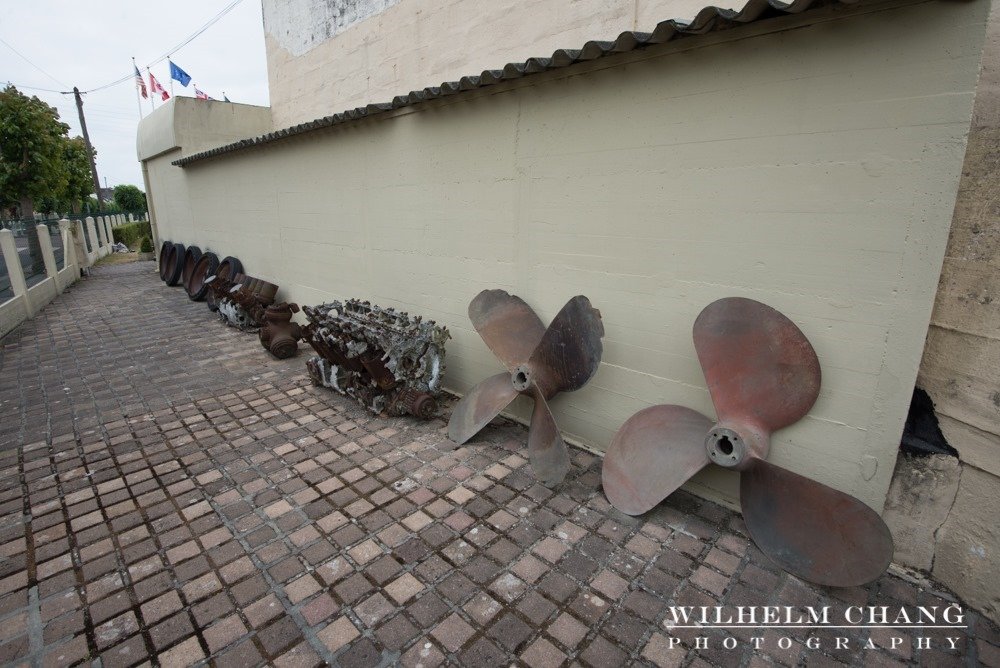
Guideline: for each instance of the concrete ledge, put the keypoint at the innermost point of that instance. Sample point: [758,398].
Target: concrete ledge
[29,301]
[12,313]
[66,276]
[41,294]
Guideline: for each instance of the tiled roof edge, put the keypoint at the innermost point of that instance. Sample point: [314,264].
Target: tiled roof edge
[709,19]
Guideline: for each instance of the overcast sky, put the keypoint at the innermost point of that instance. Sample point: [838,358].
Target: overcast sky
[89,44]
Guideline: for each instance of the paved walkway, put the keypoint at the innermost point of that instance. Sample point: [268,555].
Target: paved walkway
[171,494]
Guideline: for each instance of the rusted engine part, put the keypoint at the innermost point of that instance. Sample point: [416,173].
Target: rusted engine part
[383,358]
[242,299]
[188,262]
[172,264]
[228,268]
[207,265]
[280,335]
[541,362]
[762,374]
[164,254]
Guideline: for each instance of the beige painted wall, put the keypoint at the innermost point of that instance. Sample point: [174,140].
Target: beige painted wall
[418,43]
[198,125]
[786,167]
[945,512]
[195,125]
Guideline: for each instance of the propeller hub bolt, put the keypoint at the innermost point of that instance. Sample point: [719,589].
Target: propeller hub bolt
[725,447]
[521,378]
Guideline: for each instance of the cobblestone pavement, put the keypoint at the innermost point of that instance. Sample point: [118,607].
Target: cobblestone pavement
[172,495]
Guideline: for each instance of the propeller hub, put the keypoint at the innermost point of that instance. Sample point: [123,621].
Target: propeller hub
[725,447]
[521,378]
[735,445]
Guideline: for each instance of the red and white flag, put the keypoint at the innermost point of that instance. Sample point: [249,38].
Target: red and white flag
[155,87]
[200,94]
[139,82]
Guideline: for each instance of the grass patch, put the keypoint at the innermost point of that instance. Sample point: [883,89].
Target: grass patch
[117,258]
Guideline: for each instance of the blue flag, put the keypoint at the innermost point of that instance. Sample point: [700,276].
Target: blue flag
[179,74]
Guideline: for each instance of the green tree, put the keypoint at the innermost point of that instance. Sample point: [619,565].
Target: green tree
[32,156]
[130,199]
[32,149]
[80,182]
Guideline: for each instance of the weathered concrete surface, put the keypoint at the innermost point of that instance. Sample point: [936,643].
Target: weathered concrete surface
[961,372]
[921,496]
[325,56]
[968,549]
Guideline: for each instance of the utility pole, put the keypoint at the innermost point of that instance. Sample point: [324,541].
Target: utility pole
[90,149]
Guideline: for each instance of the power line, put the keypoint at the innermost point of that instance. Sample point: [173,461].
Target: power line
[47,90]
[225,10]
[25,59]
[212,21]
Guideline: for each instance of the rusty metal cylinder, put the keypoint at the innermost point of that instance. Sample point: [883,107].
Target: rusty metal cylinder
[420,404]
[266,291]
[279,335]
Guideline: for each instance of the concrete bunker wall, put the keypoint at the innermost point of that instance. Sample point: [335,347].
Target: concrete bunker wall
[814,169]
[339,54]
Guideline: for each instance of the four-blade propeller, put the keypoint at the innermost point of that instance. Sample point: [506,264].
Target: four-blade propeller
[762,374]
[541,363]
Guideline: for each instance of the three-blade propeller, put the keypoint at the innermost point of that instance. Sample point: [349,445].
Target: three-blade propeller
[762,374]
[541,363]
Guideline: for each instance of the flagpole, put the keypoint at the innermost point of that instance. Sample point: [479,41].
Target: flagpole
[152,105]
[171,77]
[138,102]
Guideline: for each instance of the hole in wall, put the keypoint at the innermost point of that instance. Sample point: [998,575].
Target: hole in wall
[922,433]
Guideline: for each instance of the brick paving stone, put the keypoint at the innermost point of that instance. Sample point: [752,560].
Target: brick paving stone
[319,609]
[424,654]
[404,588]
[300,656]
[337,634]
[482,652]
[452,632]
[659,652]
[186,653]
[191,497]
[373,609]
[543,654]
[224,633]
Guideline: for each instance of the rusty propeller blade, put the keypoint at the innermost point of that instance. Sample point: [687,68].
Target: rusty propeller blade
[570,350]
[763,374]
[542,363]
[546,448]
[655,452]
[482,403]
[510,328]
[813,531]
[760,367]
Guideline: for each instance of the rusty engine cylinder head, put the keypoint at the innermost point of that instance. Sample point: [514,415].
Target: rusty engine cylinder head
[242,299]
[279,335]
[383,358]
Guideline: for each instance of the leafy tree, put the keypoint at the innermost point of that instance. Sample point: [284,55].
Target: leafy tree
[32,149]
[32,156]
[130,199]
[80,181]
